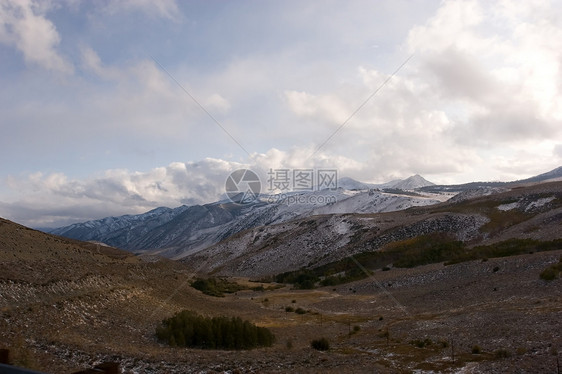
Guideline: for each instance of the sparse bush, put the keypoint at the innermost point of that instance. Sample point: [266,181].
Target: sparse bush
[289,309]
[521,351]
[421,343]
[188,329]
[549,274]
[321,344]
[476,349]
[443,343]
[502,353]
[356,328]
[552,272]
[289,344]
[300,311]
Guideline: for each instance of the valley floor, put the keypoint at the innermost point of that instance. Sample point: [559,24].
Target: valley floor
[427,319]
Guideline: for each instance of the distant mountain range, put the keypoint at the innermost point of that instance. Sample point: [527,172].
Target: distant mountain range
[411,183]
[176,232]
[552,175]
[182,231]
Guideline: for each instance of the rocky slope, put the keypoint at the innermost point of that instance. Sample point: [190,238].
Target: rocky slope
[527,212]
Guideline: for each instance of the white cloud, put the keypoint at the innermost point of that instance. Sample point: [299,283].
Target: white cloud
[113,192]
[162,8]
[327,108]
[501,62]
[482,92]
[24,26]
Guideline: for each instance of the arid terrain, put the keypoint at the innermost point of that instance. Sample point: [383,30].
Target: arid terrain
[67,305]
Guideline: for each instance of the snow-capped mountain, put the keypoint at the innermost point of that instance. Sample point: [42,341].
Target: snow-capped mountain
[187,229]
[408,184]
[351,184]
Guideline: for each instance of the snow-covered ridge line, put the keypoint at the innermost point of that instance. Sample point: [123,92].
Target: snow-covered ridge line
[176,232]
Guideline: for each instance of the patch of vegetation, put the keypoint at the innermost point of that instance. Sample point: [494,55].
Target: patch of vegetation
[216,286]
[421,250]
[348,276]
[425,249]
[321,344]
[301,279]
[289,309]
[397,191]
[552,272]
[476,350]
[188,329]
[421,343]
[300,311]
[502,353]
[500,220]
[511,247]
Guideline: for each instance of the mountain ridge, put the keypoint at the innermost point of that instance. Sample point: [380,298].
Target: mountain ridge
[181,231]
[534,212]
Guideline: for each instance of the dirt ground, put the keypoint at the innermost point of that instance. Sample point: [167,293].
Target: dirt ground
[495,316]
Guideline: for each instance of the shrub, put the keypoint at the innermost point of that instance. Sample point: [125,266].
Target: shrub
[216,286]
[521,351]
[549,274]
[321,344]
[289,309]
[188,329]
[356,328]
[289,344]
[552,272]
[301,279]
[421,343]
[443,343]
[300,311]
[476,349]
[502,353]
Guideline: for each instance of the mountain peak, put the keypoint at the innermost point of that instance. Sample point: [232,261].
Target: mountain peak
[413,182]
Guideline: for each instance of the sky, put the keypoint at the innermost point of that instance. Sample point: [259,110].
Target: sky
[118,107]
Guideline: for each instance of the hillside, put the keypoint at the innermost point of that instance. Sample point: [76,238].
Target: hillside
[67,305]
[178,232]
[525,213]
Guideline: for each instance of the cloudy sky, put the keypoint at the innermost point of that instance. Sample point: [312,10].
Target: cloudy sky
[96,117]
